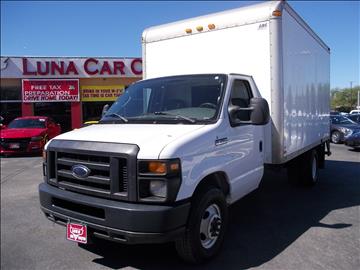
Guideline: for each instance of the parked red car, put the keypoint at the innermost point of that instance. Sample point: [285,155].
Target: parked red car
[27,134]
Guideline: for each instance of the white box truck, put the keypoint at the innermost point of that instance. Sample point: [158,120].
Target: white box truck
[223,95]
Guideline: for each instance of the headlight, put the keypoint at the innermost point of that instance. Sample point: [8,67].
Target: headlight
[158,188]
[158,180]
[36,138]
[346,131]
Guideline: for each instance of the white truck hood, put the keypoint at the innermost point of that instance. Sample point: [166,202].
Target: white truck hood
[151,139]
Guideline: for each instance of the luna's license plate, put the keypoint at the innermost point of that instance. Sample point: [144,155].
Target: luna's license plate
[76,232]
[14,145]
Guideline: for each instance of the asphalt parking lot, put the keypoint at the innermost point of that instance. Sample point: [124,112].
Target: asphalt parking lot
[279,226]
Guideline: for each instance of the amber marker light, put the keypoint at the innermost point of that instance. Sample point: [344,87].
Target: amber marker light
[174,167]
[276,13]
[199,28]
[188,31]
[157,167]
[44,155]
[211,26]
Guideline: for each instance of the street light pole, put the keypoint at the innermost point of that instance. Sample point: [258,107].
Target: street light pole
[351,94]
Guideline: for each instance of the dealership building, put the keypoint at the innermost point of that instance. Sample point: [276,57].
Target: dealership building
[71,90]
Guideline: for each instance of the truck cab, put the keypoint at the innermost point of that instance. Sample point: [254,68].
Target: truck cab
[135,177]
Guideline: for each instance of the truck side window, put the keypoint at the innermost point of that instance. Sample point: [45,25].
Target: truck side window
[240,96]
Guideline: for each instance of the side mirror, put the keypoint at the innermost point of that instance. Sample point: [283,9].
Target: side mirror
[260,115]
[256,114]
[105,109]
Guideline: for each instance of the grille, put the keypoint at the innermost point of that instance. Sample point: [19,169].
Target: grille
[23,143]
[108,176]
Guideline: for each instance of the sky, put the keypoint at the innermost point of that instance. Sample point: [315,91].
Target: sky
[114,28]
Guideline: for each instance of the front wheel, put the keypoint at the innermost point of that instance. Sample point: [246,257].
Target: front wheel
[206,227]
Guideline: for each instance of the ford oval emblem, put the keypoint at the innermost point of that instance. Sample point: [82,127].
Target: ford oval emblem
[80,171]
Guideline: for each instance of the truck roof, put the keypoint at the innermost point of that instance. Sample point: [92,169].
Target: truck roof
[226,19]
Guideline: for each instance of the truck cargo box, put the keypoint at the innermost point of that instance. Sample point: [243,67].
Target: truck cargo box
[270,42]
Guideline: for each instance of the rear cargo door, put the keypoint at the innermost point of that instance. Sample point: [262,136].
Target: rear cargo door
[245,142]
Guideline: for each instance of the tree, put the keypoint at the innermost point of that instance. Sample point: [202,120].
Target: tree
[345,99]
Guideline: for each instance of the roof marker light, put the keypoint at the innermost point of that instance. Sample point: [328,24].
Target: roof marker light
[199,28]
[188,31]
[277,13]
[211,26]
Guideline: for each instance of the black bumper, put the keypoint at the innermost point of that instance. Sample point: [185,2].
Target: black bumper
[114,220]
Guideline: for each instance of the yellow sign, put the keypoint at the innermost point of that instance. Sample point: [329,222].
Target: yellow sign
[101,93]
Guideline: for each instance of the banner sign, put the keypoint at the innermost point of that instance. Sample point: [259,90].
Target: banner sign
[69,67]
[50,90]
[101,93]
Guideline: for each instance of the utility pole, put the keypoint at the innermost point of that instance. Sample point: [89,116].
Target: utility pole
[351,94]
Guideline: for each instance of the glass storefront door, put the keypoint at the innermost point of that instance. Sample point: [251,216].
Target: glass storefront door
[59,111]
[92,110]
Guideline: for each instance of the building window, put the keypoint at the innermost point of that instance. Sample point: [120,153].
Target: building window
[11,93]
[10,103]
[10,110]
[92,110]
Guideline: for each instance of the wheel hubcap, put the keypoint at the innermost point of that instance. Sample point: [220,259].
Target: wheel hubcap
[210,226]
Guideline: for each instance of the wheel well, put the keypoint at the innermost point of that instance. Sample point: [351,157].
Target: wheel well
[217,179]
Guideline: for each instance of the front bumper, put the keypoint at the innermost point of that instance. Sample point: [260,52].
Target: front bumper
[32,147]
[114,220]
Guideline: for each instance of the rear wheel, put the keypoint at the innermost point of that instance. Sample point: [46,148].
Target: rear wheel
[304,169]
[310,173]
[206,227]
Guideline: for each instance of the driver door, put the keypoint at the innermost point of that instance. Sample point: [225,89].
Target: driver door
[245,141]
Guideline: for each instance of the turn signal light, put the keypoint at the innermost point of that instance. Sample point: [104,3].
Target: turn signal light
[157,167]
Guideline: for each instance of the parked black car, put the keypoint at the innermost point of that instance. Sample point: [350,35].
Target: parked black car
[353,140]
[354,117]
[342,127]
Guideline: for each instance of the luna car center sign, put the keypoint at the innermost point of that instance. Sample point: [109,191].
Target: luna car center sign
[82,67]
[70,67]
[50,90]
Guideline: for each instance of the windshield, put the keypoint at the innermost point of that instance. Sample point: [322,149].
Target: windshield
[341,120]
[27,123]
[185,99]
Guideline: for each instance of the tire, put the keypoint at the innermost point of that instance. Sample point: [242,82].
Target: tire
[310,175]
[335,137]
[206,227]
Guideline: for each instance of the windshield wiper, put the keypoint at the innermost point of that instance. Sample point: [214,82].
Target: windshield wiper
[176,116]
[118,116]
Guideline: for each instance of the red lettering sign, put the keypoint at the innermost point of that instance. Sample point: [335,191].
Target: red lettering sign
[25,68]
[50,90]
[136,66]
[105,68]
[81,67]
[86,66]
